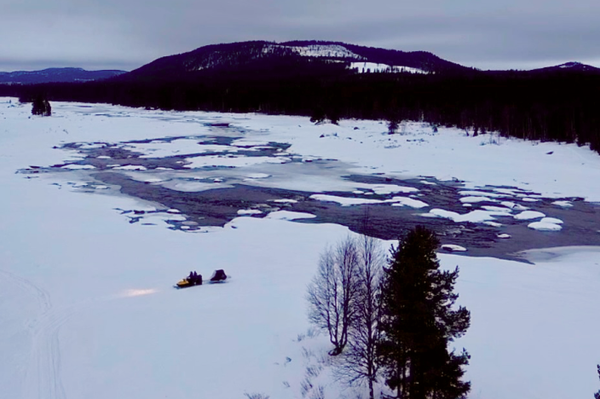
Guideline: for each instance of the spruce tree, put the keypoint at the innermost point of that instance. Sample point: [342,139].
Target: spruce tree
[41,106]
[393,125]
[419,322]
[597,394]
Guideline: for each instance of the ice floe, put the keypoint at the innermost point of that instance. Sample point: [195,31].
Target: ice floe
[229,161]
[563,204]
[476,216]
[289,215]
[345,201]
[473,199]
[249,212]
[78,167]
[544,226]
[410,202]
[130,167]
[552,220]
[513,205]
[453,248]
[528,215]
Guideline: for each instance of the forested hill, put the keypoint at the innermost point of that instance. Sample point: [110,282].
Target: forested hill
[56,75]
[338,81]
[288,59]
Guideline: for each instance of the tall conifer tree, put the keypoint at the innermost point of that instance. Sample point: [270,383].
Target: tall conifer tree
[419,322]
[597,394]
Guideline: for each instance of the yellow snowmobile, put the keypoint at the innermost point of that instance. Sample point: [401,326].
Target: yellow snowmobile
[190,281]
[193,279]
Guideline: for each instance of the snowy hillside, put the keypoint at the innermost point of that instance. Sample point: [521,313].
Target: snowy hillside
[331,52]
[86,299]
[315,56]
[315,50]
[365,67]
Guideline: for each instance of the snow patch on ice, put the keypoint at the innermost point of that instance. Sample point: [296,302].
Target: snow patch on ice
[258,175]
[130,167]
[410,202]
[552,220]
[344,201]
[544,226]
[164,148]
[493,224]
[528,215]
[383,189]
[289,215]
[476,216]
[513,205]
[78,167]
[483,194]
[229,161]
[497,209]
[453,248]
[563,204]
[249,212]
[472,199]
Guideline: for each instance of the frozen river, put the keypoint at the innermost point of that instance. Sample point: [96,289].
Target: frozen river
[206,180]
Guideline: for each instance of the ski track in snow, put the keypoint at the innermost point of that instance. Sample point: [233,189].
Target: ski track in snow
[42,379]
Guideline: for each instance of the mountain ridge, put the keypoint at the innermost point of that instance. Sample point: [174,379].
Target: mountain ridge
[253,55]
[573,66]
[53,75]
[277,60]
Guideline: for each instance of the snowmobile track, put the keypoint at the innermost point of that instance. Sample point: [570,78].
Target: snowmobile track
[42,378]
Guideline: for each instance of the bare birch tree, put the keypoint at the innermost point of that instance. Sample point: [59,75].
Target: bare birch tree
[333,292]
[360,359]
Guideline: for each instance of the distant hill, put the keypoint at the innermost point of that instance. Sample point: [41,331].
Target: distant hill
[288,59]
[569,67]
[53,75]
[269,61]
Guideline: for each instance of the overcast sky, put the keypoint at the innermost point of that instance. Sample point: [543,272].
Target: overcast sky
[126,34]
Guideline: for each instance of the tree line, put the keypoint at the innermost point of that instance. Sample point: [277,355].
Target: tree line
[551,106]
[392,322]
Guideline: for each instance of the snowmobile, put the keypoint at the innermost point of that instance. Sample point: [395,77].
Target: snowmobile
[190,281]
[193,279]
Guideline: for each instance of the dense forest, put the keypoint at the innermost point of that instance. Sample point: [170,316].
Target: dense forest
[550,105]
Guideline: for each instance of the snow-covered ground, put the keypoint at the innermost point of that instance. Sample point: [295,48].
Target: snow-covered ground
[86,299]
